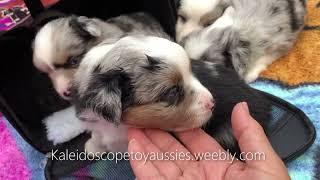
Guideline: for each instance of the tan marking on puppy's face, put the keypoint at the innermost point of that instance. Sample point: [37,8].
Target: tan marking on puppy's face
[162,116]
[208,18]
[182,110]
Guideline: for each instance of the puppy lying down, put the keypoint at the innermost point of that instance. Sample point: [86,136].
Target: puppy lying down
[60,45]
[149,82]
[249,35]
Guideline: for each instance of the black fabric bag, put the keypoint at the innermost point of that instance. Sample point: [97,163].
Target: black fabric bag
[27,96]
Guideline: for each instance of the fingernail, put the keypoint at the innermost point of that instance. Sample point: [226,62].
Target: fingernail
[133,146]
[132,141]
[245,107]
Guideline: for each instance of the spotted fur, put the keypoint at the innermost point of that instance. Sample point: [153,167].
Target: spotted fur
[250,35]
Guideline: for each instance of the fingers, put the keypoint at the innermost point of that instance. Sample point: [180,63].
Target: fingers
[252,139]
[141,168]
[167,143]
[153,154]
[197,141]
[204,146]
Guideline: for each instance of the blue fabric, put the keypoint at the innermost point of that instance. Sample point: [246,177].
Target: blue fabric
[36,160]
[306,98]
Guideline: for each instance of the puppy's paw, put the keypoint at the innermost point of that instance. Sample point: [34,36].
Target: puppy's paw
[258,66]
[118,146]
[251,77]
[229,11]
[253,73]
[93,149]
[63,126]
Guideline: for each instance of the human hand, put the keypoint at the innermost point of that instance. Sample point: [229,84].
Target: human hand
[248,132]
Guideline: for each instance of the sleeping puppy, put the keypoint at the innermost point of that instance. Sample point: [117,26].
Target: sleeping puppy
[196,15]
[60,45]
[142,81]
[248,37]
[147,82]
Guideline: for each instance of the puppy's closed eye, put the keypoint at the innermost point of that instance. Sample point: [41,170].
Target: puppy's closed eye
[208,23]
[173,95]
[182,18]
[72,62]
[153,64]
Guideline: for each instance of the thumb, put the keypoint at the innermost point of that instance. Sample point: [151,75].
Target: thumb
[253,142]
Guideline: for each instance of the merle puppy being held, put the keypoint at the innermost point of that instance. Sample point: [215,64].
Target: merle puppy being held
[147,82]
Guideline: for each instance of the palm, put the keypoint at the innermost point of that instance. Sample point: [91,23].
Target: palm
[197,141]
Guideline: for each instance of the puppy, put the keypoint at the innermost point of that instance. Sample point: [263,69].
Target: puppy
[147,82]
[248,37]
[60,44]
[142,81]
[196,15]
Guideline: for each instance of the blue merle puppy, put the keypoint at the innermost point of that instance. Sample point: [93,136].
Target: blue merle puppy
[243,34]
[61,43]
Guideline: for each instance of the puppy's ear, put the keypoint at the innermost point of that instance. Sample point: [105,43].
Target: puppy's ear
[177,3]
[86,28]
[104,95]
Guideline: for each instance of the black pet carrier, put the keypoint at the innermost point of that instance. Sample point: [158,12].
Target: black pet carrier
[27,96]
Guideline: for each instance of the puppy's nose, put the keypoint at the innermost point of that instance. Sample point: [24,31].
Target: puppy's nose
[209,104]
[206,101]
[67,93]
